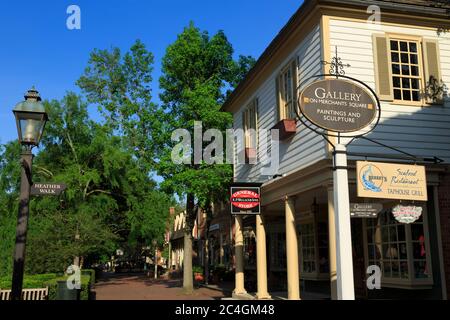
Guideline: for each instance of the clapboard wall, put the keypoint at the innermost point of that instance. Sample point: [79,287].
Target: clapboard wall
[305,147]
[421,131]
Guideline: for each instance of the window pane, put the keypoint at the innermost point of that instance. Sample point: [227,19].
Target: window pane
[397,94]
[405,70]
[404,269]
[414,59]
[387,269]
[396,82]
[420,269]
[405,83]
[395,69]
[407,95]
[404,58]
[401,232]
[403,46]
[403,253]
[418,250]
[414,71]
[395,57]
[416,96]
[394,45]
[412,47]
[415,83]
[417,231]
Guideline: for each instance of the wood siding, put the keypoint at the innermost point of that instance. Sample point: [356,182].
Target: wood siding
[305,147]
[421,131]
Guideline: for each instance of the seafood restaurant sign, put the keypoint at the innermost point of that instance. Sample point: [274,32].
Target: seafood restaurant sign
[338,105]
[391,181]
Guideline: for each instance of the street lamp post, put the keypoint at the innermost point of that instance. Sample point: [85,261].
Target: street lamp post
[30,119]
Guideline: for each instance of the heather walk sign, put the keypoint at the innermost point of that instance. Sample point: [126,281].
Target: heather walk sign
[391,181]
[338,105]
[47,189]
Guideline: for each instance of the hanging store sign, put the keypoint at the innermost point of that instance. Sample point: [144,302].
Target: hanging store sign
[47,189]
[365,210]
[245,200]
[406,214]
[391,181]
[338,105]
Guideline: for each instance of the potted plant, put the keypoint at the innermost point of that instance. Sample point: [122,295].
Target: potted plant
[198,273]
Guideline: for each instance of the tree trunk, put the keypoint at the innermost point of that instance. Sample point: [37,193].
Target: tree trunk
[188,277]
[206,260]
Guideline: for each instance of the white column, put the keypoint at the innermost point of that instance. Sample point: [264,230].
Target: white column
[332,243]
[261,258]
[239,253]
[293,278]
[344,259]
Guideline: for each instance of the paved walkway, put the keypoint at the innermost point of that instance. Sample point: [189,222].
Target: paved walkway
[140,287]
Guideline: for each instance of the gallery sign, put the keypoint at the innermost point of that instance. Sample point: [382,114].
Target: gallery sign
[365,210]
[47,189]
[245,200]
[406,214]
[338,105]
[391,181]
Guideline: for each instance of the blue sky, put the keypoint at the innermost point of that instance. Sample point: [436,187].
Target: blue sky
[38,49]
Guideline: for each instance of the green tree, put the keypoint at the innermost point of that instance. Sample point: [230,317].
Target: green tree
[198,72]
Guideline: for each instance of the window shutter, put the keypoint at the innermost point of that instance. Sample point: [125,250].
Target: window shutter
[382,62]
[294,88]
[277,98]
[432,63]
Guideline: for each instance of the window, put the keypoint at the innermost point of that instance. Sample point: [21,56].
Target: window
[250,124]
[308,244]
[249,248]
[314,255]
[278,251]
[287,88]
[406,75]
[400,250]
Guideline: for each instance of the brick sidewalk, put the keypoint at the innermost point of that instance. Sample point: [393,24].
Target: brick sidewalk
[141,287]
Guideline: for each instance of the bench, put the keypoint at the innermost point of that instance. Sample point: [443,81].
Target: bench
[27,294]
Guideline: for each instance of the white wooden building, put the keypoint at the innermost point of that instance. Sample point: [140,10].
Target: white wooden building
[395,53]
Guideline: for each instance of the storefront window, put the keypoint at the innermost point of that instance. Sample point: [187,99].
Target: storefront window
[314,255]
[308,248]
[399,249]
[278,250]
[249,248]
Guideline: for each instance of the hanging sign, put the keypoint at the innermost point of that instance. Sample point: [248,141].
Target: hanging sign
[391,181]
[245,200]
[406,214]
[47,189]
[338,105]
[365,210]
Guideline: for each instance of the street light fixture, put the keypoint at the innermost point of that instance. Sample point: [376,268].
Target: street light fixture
[30,119]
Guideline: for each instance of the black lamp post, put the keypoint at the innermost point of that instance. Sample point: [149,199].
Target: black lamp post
[30,118]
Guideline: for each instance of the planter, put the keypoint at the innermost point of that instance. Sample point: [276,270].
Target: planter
[286,128]
[198,276]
